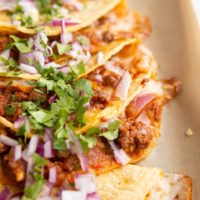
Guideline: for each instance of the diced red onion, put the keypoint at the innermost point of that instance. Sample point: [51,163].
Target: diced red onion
[52,175]
[40,149]
[48,134]
[8,141]
[77,148]
[73,195]
[17,152]
[139,103]
[48,150]
[36,56]
[18,123]
[100,57]
[65,38]
[27,124]
[27,68]
[48,51]
[29,169]
[93,196]
[32,146]
[120,155]
[4,194]
[111,67]
[67,22]
[5,54]
[52,99]
[123,86]
[86,183]
[65,69]
[37,42]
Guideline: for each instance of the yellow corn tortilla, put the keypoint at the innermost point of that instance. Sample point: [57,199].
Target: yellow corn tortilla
[141,183]
[93,10]
[108,51]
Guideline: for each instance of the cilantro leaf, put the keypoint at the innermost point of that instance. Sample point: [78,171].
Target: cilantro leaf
[87,142]
[23,45]
[93,131]
[43,116]
[31,192]
[85,86]
[81,68]
[110,135]
[59,144]
[63,48]
[112,131]
[83,40]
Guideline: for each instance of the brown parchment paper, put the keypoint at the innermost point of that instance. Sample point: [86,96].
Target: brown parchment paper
[175,42]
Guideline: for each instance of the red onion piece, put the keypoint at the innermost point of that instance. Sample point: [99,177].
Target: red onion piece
[93,196]
[48,150]
[86,183]
[8,141]
[120,155]
[28,68]
[66,21]
[36,56]
[77,148]
[123,86]
[32,146]
[5,54]
[4,194]
[138,104]
[40,149]
[73,195]
[17,152]
[52,175]
[48,133]
[52,99]
[18,123]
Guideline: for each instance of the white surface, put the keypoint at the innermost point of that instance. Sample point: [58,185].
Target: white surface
[175,44]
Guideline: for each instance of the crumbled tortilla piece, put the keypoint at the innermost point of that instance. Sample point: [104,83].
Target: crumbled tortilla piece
[189,132]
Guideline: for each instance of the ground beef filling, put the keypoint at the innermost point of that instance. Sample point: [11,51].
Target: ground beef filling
[134,136]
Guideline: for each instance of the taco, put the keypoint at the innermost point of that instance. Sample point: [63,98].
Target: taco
[26,16]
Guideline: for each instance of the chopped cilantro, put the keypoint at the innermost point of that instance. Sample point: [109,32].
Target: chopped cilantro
[93,131]
[59,144]
[31,192]
[112,131]
[87,142]
[84,86]
[83,40]
[81,68]
[63,48]
[23,45]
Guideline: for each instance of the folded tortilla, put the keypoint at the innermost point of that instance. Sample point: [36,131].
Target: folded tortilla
[141,183]
[82,18]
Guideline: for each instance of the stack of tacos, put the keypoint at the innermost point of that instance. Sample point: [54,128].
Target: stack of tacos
[78,98]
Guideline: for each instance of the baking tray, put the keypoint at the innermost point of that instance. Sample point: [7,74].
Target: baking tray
[175,42]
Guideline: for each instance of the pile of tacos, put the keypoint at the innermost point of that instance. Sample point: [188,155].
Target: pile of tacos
[80,103]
